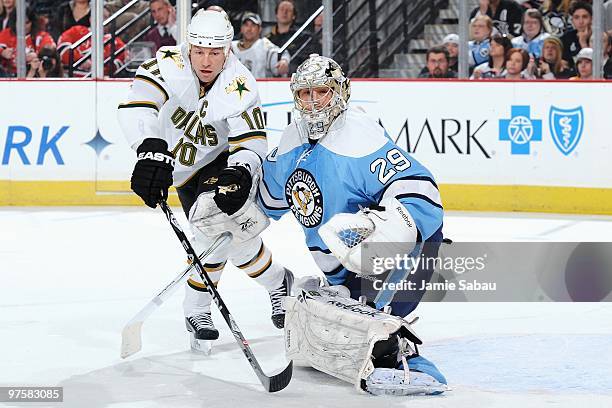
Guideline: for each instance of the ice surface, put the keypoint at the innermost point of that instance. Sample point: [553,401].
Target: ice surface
[72,277]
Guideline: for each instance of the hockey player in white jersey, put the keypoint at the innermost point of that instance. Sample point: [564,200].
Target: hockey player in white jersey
[258,54]
[193,115]
[351,188]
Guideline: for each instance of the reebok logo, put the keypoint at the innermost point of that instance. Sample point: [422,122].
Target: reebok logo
[404,216]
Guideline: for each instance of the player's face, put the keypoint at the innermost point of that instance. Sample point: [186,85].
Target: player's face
[581,19]
[437,64]
[8,4]
[250,31]
[514,65]
[531,26]
[160,12]
[480,31]
[207,63]
[312,99]
[549,52]
[585,68]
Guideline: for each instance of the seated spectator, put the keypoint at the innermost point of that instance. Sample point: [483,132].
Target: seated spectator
[496,66]
[506,15]
[584,65]
[73,35]
[551,65]
[451,42]
[70,14]
[6,8]
[607,69]
[128,15]
[437,64]
[45,65]
[533,36]
[556,16]
[284,28]
[517,60]
[35,40]
[165,32]
[580,36]
[259,55]
[481,30]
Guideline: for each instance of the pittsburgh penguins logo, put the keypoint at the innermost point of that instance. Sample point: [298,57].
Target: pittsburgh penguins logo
[305,199]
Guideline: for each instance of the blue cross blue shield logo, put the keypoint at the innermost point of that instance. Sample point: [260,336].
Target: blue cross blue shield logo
[566,127]
[520,129]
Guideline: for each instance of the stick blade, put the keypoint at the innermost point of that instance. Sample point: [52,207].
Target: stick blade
[281,380]
[131,339]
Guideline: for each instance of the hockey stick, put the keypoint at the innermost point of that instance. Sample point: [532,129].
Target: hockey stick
[131,336]
[271,383]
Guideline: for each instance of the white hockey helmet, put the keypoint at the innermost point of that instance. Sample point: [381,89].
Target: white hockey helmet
[318,71]
[211,29]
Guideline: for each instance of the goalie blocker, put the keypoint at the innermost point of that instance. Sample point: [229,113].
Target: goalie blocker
[373,350]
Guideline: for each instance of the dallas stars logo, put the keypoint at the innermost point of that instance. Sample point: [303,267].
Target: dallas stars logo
[238,85]
[174,56]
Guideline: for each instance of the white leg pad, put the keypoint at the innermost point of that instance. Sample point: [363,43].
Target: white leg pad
[335,334]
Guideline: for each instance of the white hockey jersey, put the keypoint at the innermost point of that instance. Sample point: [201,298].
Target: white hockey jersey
[167,101]
[261,58]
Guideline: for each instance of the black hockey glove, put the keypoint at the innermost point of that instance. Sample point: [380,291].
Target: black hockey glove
[152,175]
[232,188]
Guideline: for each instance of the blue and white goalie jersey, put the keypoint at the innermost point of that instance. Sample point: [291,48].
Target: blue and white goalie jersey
[355,164]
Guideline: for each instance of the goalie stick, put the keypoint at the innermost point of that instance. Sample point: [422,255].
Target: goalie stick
[131,336]
[271,383]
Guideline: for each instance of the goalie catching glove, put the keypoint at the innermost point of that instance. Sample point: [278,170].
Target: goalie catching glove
[152,175]
[384,232]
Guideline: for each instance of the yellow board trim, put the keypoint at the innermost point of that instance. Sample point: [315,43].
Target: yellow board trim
[560,200]
[71,193]
[463,197]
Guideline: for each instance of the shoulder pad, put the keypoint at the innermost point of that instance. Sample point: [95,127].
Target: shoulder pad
[173,62]
[239,85]
[355,135]
[290,139]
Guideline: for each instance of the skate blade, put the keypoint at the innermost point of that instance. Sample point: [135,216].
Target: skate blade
[201,346]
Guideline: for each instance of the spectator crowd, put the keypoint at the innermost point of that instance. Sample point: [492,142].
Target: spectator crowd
[529,39]
[526,39]
[55,46]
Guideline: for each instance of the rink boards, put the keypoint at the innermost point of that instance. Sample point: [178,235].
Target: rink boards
[492,146]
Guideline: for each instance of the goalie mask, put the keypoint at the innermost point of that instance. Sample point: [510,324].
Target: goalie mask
[320,93]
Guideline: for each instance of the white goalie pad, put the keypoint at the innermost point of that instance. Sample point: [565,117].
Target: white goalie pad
[392,231]
[248,222]
[336,335]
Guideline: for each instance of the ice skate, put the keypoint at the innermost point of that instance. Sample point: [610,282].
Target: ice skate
[202,332]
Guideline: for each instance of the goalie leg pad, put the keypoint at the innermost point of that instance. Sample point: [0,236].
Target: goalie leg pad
[338,335]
